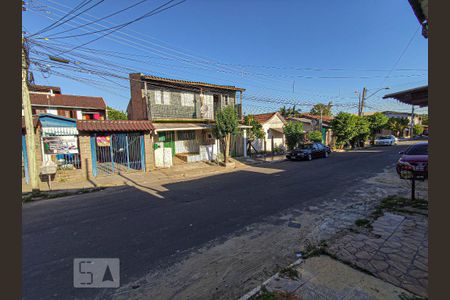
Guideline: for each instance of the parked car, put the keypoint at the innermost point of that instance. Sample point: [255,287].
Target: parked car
[309,151]
[414,160]
[386,140]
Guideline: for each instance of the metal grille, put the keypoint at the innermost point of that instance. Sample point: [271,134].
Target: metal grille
[123,153]
[68,161]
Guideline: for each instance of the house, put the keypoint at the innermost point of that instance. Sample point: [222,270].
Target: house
[272,125]
[316,123]
[50,100]
[182,113]
[403,115]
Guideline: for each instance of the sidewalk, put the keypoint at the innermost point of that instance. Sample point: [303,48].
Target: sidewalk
[137,179]
[372,250]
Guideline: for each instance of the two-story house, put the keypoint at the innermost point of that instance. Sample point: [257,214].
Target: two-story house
[182,113]
[50,100]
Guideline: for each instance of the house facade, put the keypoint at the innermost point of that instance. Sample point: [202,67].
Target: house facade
[50,100]
[272,125]
[316,123]
[183,114]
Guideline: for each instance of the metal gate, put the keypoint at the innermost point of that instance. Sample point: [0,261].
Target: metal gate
[117,153]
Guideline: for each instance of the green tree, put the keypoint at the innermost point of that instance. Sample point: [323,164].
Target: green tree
[377,122]
[424,119]
[344,127]
[289,112]
[315,136]
[398,125]
[362,131]
[256,132]
[226,124]
[325,108]
[418,129]
[114,114]
[293,131]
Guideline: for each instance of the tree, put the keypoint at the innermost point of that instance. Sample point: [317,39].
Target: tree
[256,132]
[114,114]
[424,119]
[377,122]
[226,125]
[289,112]
[398,125]
[362,131]
[325,108]
[293,131]
[418,129]
[344,128]
[315,136]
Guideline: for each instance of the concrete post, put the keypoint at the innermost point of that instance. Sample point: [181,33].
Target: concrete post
[244,135]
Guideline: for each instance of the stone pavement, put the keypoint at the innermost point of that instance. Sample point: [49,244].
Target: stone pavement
[396,250]
[322,277]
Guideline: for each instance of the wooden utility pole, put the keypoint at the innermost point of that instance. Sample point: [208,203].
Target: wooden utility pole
[28,116]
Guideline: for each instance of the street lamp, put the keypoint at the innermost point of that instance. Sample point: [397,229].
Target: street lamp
[385,88]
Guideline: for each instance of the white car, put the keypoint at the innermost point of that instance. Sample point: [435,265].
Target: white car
[386,140]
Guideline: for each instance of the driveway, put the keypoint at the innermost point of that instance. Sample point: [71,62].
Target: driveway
[148,232]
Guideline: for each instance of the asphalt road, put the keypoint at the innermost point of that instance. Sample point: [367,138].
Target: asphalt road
[147,232]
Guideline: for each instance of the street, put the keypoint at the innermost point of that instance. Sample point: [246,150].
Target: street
[147,232]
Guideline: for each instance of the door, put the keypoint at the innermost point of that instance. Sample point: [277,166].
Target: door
[168,139]
[316,151]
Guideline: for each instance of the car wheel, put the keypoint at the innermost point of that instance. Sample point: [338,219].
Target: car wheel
[309,157]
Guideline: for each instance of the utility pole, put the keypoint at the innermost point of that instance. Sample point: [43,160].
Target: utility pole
[363,95]
[28,116]
[411,131]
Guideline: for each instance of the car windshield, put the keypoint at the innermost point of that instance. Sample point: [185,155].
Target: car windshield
[384,138]
[417,150]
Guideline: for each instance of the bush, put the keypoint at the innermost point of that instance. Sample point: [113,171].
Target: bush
[315,136]
[294,134]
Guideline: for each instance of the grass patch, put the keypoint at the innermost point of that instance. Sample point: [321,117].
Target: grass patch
[396,202]
[289,272]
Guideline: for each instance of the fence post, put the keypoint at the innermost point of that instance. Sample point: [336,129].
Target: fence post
[111,152]
[93,156]
[141,138]
[128,153]
[25,159]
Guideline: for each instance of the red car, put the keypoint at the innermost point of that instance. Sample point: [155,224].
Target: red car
[414,160]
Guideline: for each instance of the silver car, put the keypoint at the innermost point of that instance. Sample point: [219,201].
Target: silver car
[386,140]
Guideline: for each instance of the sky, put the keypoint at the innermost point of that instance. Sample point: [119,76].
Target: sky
[281,52]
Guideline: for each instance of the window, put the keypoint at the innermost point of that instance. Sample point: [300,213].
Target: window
[185,135]
[187,99]
[225,99]
[158,99]
[166,98]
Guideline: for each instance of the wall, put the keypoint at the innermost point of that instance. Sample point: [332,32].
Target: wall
[274,122]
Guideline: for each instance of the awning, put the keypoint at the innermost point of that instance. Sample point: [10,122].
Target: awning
[160,127]
[54,131]
[417,96]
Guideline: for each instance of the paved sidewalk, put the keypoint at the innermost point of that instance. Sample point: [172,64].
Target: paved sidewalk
[325,278]
[139,179]
[396,250]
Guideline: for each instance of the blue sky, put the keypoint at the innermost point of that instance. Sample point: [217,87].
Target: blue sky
[280,51]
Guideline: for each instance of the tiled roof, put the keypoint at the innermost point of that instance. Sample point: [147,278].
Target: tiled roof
[192,83]
[114,125]
[68,101]
[263,118]
[45,88]
[324,118]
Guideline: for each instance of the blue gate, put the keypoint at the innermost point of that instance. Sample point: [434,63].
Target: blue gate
[117,153]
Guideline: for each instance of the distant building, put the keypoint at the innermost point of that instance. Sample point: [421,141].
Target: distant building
[272,125]
[50,100]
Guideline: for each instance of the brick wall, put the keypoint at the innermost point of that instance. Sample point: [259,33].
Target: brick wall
[136,108]
[149,152]
[84,140]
